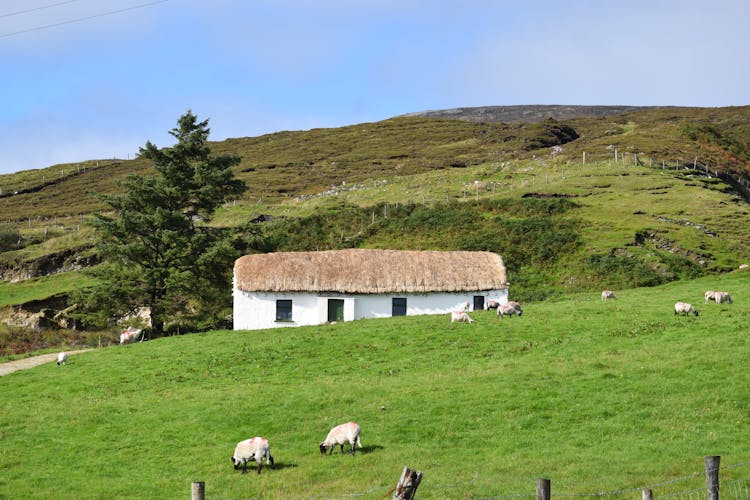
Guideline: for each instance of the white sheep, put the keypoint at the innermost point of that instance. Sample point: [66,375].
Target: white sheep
[608,294]
[131,334]
[722,297]
[461,317]
[684,308]
[508,309]
[62,358]
[255,448]
[491,304]
[344,433]
[718,296]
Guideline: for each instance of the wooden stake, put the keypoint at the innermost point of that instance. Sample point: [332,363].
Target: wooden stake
[542,489]
[712,476]
[198,490]
[407,484]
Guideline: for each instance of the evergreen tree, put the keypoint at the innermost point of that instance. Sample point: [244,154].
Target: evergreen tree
[159,253]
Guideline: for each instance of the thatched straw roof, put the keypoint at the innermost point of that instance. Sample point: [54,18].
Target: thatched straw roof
[370,271]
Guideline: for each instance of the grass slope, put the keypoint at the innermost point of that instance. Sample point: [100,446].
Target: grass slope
[595,396]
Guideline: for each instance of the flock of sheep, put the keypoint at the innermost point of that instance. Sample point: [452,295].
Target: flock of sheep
[257,449]
[511,308]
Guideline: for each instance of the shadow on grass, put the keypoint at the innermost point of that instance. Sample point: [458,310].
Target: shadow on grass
[281,466]
[252,469]
[364,450]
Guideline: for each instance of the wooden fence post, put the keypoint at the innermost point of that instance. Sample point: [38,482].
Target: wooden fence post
[407,484]
[542,489]
[198,490]
[647,494]
[712,476]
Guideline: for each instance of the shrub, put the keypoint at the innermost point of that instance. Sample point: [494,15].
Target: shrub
[10,238]
[624,271]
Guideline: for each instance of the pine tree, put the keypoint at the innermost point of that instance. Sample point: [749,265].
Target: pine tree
[159,252]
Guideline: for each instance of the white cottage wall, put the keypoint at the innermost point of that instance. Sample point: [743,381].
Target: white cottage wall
[256,310]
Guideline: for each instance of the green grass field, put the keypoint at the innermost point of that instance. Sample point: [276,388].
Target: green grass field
[42,288]
[597,397]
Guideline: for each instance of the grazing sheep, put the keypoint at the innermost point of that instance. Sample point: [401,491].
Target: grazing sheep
[62,358]
[718,297]
[608,294]
[684,308]
[131,335]
[252,449]
[721,297]
[461,317]
[743,266]
[509,309]
[344,433]
[491,304]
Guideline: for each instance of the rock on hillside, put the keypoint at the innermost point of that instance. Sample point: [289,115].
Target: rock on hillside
[529,114]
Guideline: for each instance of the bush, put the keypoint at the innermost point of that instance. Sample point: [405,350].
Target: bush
[623,271]
[10,238]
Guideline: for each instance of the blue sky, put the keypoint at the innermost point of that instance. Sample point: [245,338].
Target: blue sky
[88,79]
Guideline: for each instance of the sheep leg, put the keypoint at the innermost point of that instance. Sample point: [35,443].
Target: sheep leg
[260,465]
[342,447]
[270,461]
[244,466]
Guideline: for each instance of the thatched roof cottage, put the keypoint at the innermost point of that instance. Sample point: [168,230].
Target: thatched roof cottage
[310,288]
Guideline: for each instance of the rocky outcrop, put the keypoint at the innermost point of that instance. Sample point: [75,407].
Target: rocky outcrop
[68,260]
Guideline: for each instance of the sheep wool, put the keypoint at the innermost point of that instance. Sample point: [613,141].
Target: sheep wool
[256,449]
[341,434]
[62,358]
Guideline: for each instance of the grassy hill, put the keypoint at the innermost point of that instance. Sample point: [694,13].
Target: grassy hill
[598,397]
[629,215]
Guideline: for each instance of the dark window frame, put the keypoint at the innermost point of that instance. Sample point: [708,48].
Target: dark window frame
[284,308]
[398,306]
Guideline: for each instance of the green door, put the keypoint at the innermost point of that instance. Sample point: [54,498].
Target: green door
[335,310]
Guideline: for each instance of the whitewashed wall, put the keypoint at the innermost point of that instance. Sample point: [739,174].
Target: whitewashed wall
[255,310]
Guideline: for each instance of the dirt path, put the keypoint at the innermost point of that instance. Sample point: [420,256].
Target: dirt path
[26,363]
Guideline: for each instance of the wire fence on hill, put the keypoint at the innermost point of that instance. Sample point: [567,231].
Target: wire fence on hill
[700,485]
[516,176]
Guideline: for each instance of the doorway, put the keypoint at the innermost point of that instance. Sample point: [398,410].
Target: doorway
[478,302]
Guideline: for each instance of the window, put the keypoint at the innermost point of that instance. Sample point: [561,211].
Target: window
[335,310]
[283,310]
[398,306]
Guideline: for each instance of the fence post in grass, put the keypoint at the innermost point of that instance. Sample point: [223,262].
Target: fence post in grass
[712,476]
[198,490]
[647,494]
[407,484]
[542,489]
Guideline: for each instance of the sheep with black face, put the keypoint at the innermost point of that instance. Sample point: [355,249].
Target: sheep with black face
[256,449]
[341,434]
